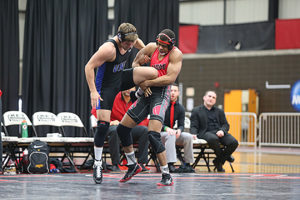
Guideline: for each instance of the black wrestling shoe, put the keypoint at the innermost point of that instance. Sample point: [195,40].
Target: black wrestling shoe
[230,159]
[166,180]
[218,166]
[132,170]
[97,171]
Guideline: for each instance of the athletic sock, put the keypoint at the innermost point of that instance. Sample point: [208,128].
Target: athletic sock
[165,169]
[98,152]
[130,158]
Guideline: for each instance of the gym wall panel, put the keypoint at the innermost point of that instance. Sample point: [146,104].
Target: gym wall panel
[289,9]
[202,12]
[287,34]
[188,38]
[246,11]
[242,73]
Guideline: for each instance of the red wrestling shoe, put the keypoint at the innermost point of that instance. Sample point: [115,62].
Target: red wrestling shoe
[132,170]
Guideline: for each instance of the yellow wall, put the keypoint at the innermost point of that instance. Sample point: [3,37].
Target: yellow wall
[233,103]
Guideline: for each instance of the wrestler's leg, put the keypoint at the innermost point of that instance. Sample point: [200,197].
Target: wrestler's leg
[141,74]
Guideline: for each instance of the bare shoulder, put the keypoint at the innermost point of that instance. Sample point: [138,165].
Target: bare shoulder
[107,47]
[176,55]
[149,48]
[107,50]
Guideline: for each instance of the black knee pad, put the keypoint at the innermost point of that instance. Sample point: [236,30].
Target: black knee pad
[124,135]
[102,127]
[155,141]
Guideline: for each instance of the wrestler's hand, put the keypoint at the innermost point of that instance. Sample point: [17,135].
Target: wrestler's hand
[143,85]
[146,59]
[143,59]
[95,96]
[147,92]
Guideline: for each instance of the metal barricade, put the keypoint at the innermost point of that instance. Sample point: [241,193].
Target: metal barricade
[243,126]
[279,129]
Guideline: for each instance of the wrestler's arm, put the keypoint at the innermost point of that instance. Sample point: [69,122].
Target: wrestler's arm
[139,44]
[174,67]
[105,53]
[143,56]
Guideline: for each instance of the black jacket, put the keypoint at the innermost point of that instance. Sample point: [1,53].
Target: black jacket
[179,115]
[199,120]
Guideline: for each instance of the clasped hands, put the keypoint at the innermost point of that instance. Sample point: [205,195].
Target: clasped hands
[144,86]
[171,131]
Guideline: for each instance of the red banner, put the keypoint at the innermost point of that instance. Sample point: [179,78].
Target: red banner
[0,93]
[188,38]
[287,34]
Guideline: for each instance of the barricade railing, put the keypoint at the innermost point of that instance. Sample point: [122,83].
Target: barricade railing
[243,126]
[279,129]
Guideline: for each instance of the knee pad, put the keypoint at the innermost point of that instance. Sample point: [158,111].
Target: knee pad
[124,135]
[102,127]
[155,141]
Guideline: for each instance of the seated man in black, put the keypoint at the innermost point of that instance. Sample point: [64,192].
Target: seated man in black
[209,123]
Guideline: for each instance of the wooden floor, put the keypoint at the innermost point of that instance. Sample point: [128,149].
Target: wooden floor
[263,160]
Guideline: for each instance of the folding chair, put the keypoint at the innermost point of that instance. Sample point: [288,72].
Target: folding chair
[48,120]
[15,118]
[69,123]
[12,121]
[68,119]
[2,133]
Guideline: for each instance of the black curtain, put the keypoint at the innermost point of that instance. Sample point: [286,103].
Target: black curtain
[148,16]
[60,37]
[237,37]
[9,53]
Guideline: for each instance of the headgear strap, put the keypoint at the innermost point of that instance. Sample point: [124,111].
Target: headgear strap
[122,35]
[170,42]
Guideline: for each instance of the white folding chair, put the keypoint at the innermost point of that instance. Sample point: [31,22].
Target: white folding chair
[49,123]
[12,120]
[15,118]
[2,133]
[68,119]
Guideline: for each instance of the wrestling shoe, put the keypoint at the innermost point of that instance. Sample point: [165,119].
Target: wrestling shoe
[218,166]
[97,171]
[134,95]
[132,170]
[166,180]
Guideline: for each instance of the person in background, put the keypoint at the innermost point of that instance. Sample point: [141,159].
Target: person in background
[209,123]
[171,136]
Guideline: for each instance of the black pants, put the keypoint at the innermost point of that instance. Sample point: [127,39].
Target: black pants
[214,141]
[139,136]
